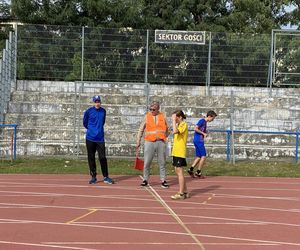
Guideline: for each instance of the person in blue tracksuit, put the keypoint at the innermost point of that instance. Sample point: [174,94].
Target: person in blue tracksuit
[94,120]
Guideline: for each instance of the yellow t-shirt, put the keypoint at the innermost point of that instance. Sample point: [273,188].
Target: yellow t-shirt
[180,139]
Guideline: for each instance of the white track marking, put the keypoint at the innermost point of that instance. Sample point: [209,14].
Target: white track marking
[163,244]
[167,232]
[175,216]
[43,245]
[165,214]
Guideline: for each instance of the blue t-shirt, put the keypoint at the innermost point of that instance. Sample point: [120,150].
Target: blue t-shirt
[93,121]
[201,124]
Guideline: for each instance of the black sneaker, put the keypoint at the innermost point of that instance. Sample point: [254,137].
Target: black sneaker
[164,184]
[144,183]
[93,180]
[191,173]
[187,195]
[200,176]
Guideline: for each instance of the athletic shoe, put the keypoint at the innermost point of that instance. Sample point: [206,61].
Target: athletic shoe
[200,176]
[108,180]
[144,183]
[93,180]
[187,195]
[164,184]
[178,196]
[191,173]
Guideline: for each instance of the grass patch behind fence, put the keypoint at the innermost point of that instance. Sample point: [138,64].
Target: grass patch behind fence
[125,167]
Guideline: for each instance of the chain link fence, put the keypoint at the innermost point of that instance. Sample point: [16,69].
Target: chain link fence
[125,55]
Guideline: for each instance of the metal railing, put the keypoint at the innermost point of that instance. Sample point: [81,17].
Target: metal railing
[8,142]
[230,146]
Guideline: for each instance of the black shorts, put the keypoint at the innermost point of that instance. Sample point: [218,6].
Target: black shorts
[179,161]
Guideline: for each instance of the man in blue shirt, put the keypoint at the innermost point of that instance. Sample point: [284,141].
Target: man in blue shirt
[94,120]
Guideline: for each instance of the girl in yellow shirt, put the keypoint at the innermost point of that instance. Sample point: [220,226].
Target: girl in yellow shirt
[180,131]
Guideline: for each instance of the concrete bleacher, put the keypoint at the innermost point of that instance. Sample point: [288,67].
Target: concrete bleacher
[49,116]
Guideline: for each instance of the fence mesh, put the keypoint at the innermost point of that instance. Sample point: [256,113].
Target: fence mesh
[98,54]
[7,141]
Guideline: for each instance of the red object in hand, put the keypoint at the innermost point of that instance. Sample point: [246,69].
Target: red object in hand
[138,164]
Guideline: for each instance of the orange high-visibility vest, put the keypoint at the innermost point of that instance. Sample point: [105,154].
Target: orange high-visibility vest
[155,127]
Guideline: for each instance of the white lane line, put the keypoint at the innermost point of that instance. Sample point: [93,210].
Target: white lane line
[257,197]
[167,214]
[169,232]
[243,180]
[82,196]
[43,245]
[175,216]
[169,223]
[6,184]
[159,243]
[149,199]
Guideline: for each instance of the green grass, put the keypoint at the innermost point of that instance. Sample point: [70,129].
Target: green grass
[125,167]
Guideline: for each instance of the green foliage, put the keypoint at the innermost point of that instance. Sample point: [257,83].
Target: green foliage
[249,16]
[4,34]
[4,10]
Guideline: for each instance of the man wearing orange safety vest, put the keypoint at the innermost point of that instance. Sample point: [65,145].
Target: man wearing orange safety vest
[155,130]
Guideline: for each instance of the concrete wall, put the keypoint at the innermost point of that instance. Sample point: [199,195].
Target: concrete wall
[49,115]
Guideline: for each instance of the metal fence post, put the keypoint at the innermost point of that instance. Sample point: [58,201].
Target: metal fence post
[232,126]
[270,73]
[208,67]
[9,61]
[1,95]
[15,56]
[82,54]
[297,146]
[15,141]
[146,58]
[146,70]
[228,133]
[4,78]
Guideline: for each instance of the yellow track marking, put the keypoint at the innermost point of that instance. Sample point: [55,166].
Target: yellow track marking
[82,216]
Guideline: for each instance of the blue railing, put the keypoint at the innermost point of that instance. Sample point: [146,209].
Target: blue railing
[229,133]
[15,138]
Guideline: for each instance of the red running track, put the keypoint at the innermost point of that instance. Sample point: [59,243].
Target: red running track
[64,212]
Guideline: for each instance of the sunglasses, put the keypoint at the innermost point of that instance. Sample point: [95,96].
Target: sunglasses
[152,109]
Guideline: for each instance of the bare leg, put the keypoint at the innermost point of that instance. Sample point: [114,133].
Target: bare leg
[196,161]
[201,162]
[181,180]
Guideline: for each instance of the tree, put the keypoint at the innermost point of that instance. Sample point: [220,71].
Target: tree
[4,10]
[254,16]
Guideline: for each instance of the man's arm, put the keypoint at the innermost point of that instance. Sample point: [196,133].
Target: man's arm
[140,133]
[104,118]
[167,127]
[85,119]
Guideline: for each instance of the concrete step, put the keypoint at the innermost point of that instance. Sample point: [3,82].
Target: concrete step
[92,88]
[44,121]
[56,134]
[72,98]
[170,90]
[69,108]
